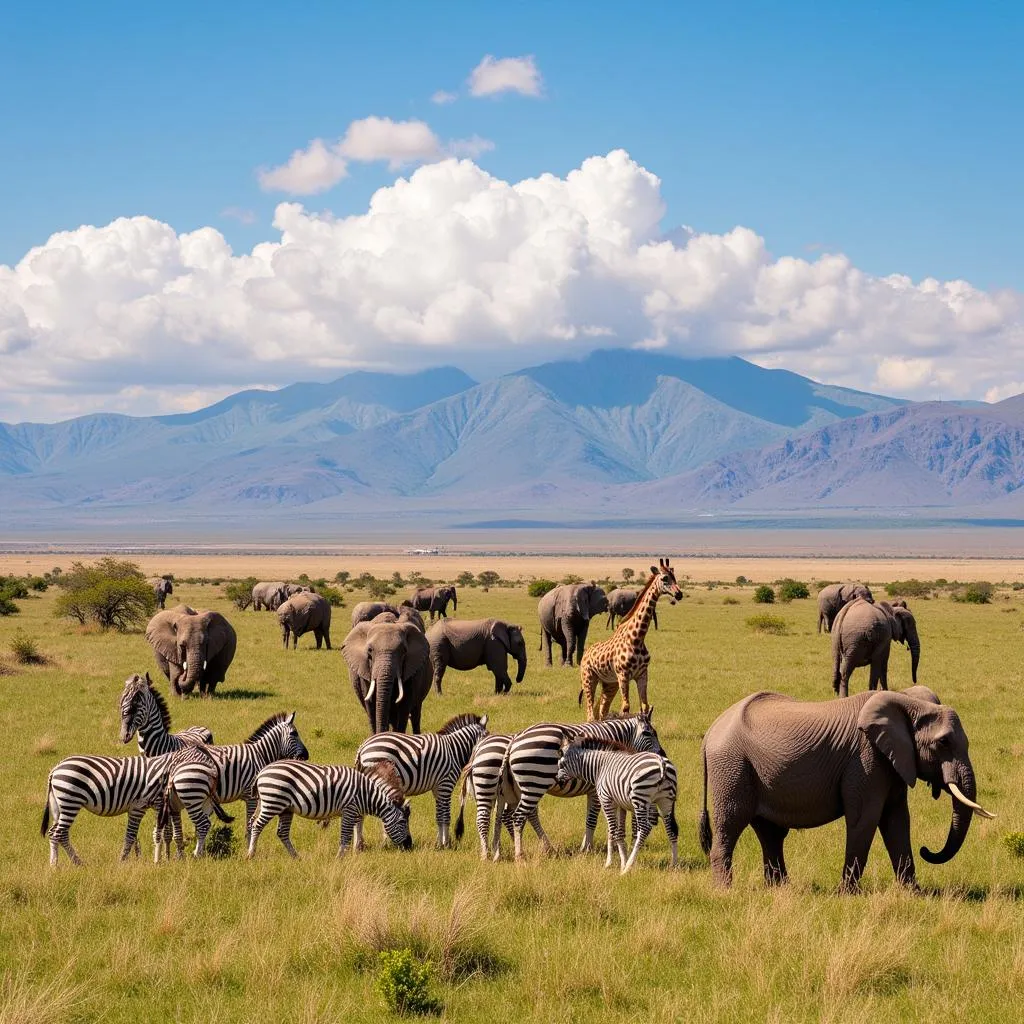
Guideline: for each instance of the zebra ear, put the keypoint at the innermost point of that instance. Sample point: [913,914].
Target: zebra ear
[290,719]
[149,682]
[483,721]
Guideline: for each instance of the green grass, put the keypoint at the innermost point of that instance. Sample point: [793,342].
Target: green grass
[226,940]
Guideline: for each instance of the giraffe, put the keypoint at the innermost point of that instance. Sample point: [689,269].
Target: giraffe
[624,656]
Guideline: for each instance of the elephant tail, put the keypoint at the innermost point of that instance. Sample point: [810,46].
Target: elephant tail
[704,825]
[460,822]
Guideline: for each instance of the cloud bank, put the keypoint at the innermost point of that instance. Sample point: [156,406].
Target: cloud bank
[454,265]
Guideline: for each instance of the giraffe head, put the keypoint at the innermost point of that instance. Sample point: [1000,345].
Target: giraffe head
[665,580]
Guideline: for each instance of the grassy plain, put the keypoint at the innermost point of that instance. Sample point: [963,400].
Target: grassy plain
[552,939]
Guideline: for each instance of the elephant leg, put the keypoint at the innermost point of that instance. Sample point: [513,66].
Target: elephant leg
[895,828]
[439,670]
[734,809]
[567,642]
[845,671]
[414,713]
[502,681]
[883,671]
[863,813]
[545,645]
[327,637]
[772,837]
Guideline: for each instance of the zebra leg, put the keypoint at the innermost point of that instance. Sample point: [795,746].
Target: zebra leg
[642,823]
[60,835]
[611,817]
[131,835]
[284,832]
[255,827]
[620,835]
[667,806]
[349,821]
[593,809]
[546,843]
[201,822]
[443,813]
[484,807]
[357,834]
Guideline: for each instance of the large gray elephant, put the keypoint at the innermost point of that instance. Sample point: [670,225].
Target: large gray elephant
[776,763]
[434,600]
[565,613]
[468,643]
[192,647]
[268,597]
[389,665]
[162,589]
[620,603]
[305,612]
[862,635]
[367,610]
[834,597]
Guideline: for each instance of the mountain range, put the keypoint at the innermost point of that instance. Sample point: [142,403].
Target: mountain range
[619,435]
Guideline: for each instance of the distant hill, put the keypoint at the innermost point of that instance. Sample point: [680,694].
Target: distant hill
[618,431]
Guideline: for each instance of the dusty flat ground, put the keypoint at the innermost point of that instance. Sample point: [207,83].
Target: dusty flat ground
[280,565]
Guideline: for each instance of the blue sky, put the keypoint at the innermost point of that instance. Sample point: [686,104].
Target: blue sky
[890,133]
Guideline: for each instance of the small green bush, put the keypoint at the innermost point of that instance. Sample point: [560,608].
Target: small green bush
[332,595]
[488,578]
[792,590]
[764,594]
[908,588]
[7,606]
[466,579]
[25,650]
[110,592]
[730,600]
[974,593]
[538,588]
[239,593]
[1014,842]
[741,581]
[379,589]
[570,577]
[767,623]
[221,843]
[1017,585]
[404,984]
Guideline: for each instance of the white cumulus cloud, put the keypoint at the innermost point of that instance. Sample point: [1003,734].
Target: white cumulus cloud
[308,171]
[442,96]
[494,75]
[454,265]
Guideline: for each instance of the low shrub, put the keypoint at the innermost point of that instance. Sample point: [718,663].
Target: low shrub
[7,606]
[767,623]
[239,592]
[24,649]
[909,588]
[221,842]
[764,595]
[332,595]
[792,590]
[404,984]
[538,588]
[570,578]
[379,589]
[974,593]
[730,600]
[466,579]
[1014,842]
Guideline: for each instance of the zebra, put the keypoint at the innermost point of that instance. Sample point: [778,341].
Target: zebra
[325,791]
[428,762]
[624,780]
[275,740]
[530,764]
[110,786]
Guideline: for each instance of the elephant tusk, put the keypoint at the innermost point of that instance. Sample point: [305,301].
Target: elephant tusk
[204,666]
[401,692]
[977,808]
[369,692]
[184,665]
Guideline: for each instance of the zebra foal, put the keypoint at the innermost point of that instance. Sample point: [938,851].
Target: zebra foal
[427,762]
[324,791]
[144,712]
[624,780]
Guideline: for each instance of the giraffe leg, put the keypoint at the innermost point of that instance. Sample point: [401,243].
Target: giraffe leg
[588,685]
[641,686]
[608,688]
[622,676]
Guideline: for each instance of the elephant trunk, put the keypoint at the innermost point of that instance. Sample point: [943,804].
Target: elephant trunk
[455,601]
[962,776]
[194,662]
[914,643]
[384,676]
[521,662]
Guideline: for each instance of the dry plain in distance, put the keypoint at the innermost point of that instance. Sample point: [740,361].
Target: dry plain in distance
[554,938]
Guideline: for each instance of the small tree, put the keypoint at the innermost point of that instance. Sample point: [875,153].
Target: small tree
[111,592]
[741,581]
[466,579]
[538,588]
[628,574]
[396,579]
[570,577]
[975,593]
[379,589]
[332,595]
[792,590]
[239,593]
[488,578]
[764,594]
[342,577]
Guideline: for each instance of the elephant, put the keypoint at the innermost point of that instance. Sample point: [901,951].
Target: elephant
[389,665]
[305,612]
[192,647]
[434,600]
[162,589]
[565,613]
[862,635]
[620,602]
[268,597]
[776,763]
[834,597]
[291,589]
[467,643]
[366,610]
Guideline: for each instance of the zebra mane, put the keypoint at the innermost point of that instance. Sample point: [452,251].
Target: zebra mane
[136,685]
[267,726]
[387,775]
[597,743]
[458,722]
[161,706]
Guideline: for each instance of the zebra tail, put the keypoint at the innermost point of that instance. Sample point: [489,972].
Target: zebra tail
[45,827]
[460,822]
[704,825]
[220,812]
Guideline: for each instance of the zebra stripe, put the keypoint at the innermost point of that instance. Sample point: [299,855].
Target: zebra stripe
[239,764]
[530,766]
[324,791]
[624,781]
[428,762]
[144,711]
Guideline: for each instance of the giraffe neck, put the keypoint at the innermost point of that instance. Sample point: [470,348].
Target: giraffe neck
[637,625]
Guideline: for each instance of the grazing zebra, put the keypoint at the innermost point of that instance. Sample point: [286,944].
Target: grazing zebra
[624,780]
[110,786]
[530,765]
[324,791]
[275,740]
[427,762]
[144,711]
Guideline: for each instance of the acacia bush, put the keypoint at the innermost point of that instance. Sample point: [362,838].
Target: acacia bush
[793,590]
[112,593]
[909,588]
[764,595]
[332,595]
[538,588]
[765,622]
[25,650]
[239,592]
[404,984]
[979,592]
[465,579]
[488,578]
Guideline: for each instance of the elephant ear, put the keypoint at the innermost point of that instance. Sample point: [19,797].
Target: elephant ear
[162,634]
[354,651]
[417,650]
[499,632]
[580,601]
[900,621]
[885,722]
[220,634]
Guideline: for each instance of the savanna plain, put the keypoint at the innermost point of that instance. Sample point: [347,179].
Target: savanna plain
[550,939]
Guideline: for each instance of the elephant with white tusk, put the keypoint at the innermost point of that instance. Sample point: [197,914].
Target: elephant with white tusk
[192,647]
[863,633]
[776,763]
